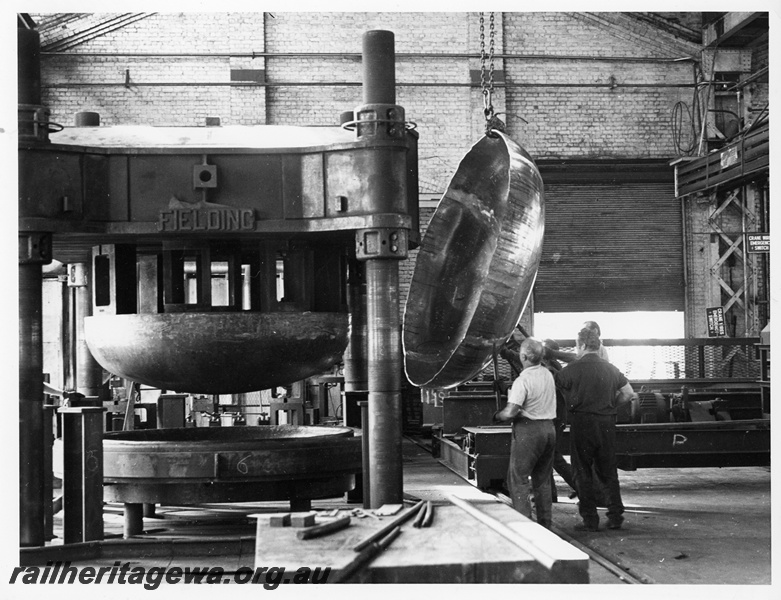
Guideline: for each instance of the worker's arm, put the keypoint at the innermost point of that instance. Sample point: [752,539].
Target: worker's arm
[508,413]
[566,357]
[625,394]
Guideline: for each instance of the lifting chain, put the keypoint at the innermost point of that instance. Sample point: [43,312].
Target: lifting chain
[487,86]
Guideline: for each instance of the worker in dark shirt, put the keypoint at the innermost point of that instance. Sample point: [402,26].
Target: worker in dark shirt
[593,388]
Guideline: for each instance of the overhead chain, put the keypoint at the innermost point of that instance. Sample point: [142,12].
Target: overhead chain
[487,85]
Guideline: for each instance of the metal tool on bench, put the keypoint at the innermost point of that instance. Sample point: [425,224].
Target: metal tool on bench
[366,555]
[425,515]
[402,518]
[323,529]
[361,513]
[372,545]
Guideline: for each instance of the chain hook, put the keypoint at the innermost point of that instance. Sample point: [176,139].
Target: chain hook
[487,85]
[488,107]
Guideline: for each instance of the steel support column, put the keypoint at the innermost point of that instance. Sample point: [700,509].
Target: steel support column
[48,467]
[380,122]
[733,269]
[31,454]
[82,479]
[34,251]
[89,373]
[385,469]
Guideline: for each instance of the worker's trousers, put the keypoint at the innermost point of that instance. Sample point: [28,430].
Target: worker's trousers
[531,456]
[593,452]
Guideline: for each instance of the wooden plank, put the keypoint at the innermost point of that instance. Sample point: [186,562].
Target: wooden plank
[546,550]
[452,550]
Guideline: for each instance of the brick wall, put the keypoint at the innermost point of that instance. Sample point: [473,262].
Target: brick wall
[568,115]
[591,108]
[126,88]
[594,123]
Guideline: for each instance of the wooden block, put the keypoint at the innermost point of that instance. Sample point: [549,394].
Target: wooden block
[303,519]
[282,520]
[266,520]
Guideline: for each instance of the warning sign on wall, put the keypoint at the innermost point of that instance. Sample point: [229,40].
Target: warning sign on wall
[758,242]
[716,326]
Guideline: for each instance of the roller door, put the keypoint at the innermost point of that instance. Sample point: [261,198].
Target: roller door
[612,248]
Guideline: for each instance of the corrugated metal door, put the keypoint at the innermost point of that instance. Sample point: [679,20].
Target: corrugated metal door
[611,248]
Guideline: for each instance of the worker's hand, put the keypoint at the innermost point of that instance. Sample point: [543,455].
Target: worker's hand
[495,418]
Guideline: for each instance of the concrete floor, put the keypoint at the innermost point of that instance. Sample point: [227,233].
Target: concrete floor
[687,526]
[683,526]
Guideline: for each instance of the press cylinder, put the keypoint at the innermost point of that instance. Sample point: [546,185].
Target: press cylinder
[379,68]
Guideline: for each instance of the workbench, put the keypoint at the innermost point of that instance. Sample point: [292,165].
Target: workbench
[456,548]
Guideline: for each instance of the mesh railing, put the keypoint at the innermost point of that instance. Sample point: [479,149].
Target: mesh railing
[699,358]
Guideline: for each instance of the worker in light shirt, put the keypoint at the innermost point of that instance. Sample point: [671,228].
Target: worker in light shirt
[531,407]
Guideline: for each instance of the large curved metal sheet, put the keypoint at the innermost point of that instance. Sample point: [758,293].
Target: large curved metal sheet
[217,352]
[229,464]
[266,452]
[476,266]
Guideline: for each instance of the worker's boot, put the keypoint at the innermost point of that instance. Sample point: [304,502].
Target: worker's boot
[587,526]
